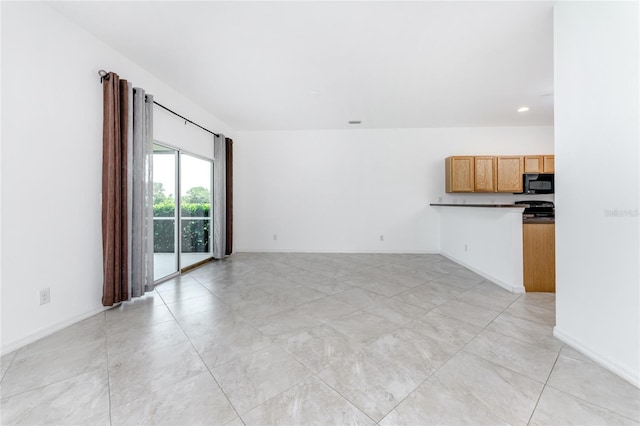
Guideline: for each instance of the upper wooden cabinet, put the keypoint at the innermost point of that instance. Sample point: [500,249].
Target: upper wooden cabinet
[510,170]
[549,164]
[493,174]
[459,174]
[485,174]
[533,164]
[539,164]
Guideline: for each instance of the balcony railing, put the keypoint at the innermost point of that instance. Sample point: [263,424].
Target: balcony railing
[195,233]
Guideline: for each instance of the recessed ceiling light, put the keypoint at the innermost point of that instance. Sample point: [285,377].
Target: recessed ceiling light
[355,121]
[523,109]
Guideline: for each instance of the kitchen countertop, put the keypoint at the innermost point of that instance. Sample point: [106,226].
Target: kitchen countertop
[500,206]
[527,220]
[544,220]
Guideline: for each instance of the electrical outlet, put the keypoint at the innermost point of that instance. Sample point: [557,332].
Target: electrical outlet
[275,237]
[381,237]
[45,296]
[466,248]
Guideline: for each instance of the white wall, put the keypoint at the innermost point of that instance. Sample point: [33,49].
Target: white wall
[51,165]
[597,134]
[485,240]
[338,191]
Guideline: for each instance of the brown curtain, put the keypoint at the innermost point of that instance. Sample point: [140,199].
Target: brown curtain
[114,190]
[229,195]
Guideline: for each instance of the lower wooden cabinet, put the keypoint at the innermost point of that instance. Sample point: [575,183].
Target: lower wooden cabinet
[539,256]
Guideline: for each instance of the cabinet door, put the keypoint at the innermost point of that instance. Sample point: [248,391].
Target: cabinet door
[485,174]
[459,173]
[510,174]
[539,262]
[549,164]
[533,164]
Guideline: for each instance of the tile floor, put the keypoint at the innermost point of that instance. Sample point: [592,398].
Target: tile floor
[327,339]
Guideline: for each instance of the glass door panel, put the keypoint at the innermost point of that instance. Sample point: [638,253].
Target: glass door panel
[196,179]
[165,214]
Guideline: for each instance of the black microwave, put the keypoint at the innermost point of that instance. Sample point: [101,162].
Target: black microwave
[538,183]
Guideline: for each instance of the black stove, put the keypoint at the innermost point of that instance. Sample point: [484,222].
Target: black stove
[537,209]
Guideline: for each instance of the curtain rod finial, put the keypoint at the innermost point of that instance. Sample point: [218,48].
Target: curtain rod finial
[103,75]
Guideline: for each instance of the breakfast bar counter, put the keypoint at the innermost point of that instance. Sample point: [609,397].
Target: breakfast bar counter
[486,238]
[495,206]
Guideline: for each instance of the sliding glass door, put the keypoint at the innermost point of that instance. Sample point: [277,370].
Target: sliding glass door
[165,213]
[181,237]
[196,179]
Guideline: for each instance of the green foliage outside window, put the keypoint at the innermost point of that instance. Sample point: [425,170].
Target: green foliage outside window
[197,195]
[195,233]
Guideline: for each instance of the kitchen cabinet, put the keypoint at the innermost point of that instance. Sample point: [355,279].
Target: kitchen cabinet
[485,174]
[509,173]
[539,257]
[493,174]
[459,174]
[539,164]
[533,164]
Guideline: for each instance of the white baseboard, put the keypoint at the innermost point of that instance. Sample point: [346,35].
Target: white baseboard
[247,250]
[506,286]
[630,376]
[44,332]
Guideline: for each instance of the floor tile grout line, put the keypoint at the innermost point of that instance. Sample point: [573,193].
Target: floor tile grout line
[544,386]
[432,374]
[106,336]
[502,366]
[412,392]
[522,340]
[576,396]
[50,384]
[456,353]
[609,410]
[486,409]
[287,389]
[13,357]
[345,398]
[459,319]
[57,381]
[206,366]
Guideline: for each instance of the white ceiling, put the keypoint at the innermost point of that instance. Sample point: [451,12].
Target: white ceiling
[316,65]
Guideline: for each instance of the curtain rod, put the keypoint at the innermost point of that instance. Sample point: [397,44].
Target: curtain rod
[185,119]
[105,76]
